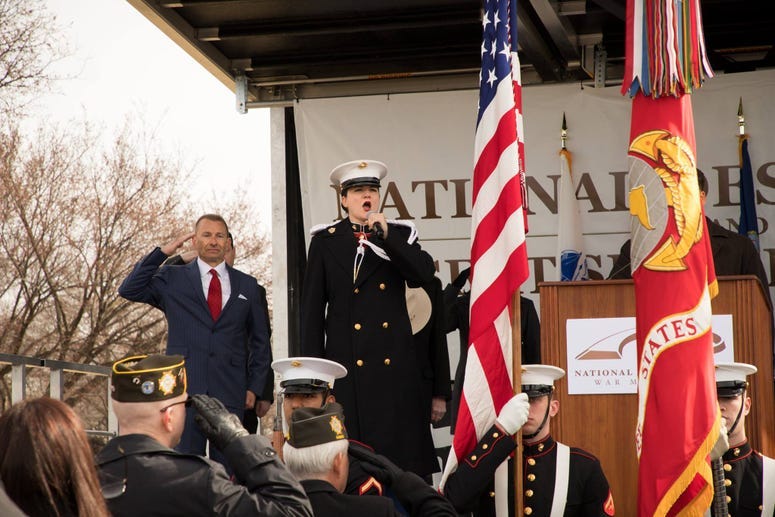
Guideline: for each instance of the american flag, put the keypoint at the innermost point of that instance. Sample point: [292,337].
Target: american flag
[498,251]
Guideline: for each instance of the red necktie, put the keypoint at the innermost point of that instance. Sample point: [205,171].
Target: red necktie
[214,295]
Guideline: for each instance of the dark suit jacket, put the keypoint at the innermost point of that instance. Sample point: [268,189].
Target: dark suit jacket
[327,501]
[733,254]
[216,352]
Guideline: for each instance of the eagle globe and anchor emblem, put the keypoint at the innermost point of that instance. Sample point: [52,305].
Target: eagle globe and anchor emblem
[670,182]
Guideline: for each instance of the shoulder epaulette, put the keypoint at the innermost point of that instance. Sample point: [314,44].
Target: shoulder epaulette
[408,224]
[320,227]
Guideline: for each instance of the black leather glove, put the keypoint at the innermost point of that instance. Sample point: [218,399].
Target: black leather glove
[383,470]
[215,421]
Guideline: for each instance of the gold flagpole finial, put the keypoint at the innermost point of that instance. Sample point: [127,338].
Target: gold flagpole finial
[740,118]
[564,133]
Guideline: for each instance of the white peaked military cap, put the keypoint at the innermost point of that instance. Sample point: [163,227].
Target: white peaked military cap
[308,374]
[538,379]
[730,378]
[358,172]
[419,307]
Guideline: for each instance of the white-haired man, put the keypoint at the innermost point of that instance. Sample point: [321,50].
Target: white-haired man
[317,453]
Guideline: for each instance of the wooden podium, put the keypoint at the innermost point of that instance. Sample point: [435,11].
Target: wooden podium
[605,424]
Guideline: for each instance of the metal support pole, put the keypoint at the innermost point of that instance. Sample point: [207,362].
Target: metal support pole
[601,60]
[241,91]
[57,386]
[18,382]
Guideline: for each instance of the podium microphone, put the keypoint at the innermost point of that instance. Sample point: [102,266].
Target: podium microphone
[377,226]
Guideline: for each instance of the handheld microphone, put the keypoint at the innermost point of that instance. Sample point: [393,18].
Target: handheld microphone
[378,230]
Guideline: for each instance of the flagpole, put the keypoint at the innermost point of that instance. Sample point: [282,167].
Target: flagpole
[516,368]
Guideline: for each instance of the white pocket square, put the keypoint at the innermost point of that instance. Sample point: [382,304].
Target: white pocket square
[242,297]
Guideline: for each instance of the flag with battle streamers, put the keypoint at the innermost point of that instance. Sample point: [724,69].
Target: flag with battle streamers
[674,278]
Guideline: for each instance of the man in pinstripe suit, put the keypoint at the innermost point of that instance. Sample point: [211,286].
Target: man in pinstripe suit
[224,338]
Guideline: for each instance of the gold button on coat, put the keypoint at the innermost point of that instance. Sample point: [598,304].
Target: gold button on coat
[495,434]
[492,494]
[381,287]
[529,493]
[540,447]
[357,326]
[531,477]
[384,324]
[484,446]
[528,510]
[387,362]
[727,482]
[473,457]
[356,290]
[531,461]
[727,467]
[359,362]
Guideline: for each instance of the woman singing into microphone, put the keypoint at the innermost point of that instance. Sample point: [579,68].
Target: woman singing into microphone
[353,311]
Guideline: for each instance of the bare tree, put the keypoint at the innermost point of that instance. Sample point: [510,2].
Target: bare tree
[30,43]
[78,215]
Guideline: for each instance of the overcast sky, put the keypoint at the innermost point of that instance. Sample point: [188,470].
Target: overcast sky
[122,64]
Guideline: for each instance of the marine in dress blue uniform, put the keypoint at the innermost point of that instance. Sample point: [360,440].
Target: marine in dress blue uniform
[584,489]
[353,311]
[744,478]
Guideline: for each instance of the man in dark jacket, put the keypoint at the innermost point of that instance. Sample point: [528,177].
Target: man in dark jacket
[733,254]
[316,452]
[142,475]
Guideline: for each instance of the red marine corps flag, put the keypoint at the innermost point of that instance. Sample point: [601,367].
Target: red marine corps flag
[678,416]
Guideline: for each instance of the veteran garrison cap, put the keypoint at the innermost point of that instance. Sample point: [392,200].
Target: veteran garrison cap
[308,374]
[148,378]
[731,378]
[358,172]
[538,379]
[313,426]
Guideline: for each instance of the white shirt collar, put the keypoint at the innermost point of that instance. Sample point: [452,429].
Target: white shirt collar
[204,268]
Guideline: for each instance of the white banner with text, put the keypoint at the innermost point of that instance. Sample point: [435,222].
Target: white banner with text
[426,140]
[602,353]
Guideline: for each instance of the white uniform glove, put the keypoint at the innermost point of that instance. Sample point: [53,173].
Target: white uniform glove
[722,444]
[514,413]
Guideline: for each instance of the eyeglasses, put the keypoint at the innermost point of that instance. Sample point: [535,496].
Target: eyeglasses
[186,402]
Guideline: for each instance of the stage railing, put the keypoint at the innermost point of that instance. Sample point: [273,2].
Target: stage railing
[21,364]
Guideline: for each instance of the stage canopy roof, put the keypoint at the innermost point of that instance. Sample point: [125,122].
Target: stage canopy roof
[275,51]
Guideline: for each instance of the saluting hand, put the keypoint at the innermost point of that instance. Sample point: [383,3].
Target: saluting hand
[172,246]
[215,421]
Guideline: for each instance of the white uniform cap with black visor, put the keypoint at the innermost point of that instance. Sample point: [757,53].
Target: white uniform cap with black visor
[308,374]
[731,378]
[538,379]
[358,173]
